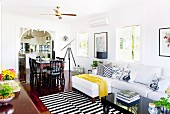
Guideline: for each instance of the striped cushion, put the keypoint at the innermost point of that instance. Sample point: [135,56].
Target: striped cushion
[100,68]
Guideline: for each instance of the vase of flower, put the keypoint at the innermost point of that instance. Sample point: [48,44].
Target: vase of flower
[8,74]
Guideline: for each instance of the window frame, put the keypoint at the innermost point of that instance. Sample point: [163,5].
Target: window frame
[78,43]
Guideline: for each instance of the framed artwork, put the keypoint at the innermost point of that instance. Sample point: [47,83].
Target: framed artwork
[100,45]
[164,42]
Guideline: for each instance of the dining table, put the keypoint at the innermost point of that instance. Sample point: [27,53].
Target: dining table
[20,104]
[45,64]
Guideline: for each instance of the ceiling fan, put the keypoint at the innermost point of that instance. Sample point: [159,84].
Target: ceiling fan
[59,14]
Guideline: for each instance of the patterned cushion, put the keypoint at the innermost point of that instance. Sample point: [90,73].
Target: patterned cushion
[100,68]
[129,75]
[108,72]
[117,72]
[159,84]
[154,84]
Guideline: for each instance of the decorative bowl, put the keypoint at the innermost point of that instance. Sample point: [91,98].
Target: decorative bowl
[6,109]
[5,101]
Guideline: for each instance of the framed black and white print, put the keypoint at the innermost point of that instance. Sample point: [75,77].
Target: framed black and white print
[100,45]
[164,42]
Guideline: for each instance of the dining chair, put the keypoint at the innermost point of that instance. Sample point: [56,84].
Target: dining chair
[35,72]
[55,73]
[59,58]
[39,71]
[31,71]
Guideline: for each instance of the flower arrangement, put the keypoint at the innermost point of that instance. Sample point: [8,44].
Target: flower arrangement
[8,74]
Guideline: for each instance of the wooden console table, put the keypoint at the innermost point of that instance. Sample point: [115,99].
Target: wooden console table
[21,104]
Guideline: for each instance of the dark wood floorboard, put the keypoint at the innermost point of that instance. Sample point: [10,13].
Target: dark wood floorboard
[35,92]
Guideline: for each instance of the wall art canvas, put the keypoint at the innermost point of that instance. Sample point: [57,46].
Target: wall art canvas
[100,45]
[164,42]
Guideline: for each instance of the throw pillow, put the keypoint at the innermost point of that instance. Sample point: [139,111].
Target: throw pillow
[154,84]
[100,68]
[162,84]
[168,91]
[108,72]
[117,72]
[129,75]
[145,73]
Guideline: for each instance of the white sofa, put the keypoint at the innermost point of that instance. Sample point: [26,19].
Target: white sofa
[143,77]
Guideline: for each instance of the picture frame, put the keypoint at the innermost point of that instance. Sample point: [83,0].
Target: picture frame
[101,45]
[164,42]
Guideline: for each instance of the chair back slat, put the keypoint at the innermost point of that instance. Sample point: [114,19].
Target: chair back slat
[55,66]
[35,65]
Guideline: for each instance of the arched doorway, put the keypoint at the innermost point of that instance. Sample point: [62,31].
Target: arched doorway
[33,43]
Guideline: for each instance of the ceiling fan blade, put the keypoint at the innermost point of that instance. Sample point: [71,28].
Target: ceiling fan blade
[69,14]
[47,14]
[55,10]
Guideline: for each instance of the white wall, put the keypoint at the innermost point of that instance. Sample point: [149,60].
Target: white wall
[11,40]
[150,16]
[0,36]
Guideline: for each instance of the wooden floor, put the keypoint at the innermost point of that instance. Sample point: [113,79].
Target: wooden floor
[35,92]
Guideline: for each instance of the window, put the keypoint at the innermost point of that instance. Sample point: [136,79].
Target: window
[82,44]
[129,43]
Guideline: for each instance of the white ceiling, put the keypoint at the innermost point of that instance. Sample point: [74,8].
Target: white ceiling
[83,8]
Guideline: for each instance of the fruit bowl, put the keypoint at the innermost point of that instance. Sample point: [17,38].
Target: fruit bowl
[6,100]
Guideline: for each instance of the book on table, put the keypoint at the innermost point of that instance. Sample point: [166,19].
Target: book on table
[128,96]
[128,101]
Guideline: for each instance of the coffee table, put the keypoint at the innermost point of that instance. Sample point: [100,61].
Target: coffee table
[110,100]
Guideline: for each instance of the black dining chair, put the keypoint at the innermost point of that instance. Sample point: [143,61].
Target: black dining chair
[35,72]
[31,71]
[59,58]
[55,73]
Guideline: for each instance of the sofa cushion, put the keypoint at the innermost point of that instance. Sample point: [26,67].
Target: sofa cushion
[154,95]
[100,68]
[129,75]
[168,91]
[164,84]
[117,72]
[137,87]
[154,84]
[145,73]
[107,72]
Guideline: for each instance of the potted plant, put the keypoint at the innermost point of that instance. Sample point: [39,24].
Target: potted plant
[164,104]
[94,64]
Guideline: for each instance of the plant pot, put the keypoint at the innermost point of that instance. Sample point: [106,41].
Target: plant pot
[165,110]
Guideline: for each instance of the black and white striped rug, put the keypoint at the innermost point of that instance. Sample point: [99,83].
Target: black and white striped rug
[73,103]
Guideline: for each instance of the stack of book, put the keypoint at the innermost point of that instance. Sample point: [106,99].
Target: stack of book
[128,96]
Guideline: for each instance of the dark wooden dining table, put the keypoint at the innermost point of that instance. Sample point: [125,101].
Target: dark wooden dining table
[21,104]
[46,63]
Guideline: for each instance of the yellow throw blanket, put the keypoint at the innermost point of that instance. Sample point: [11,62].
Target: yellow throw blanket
[102,84]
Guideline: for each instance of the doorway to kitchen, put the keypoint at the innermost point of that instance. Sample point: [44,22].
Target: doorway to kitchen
[33,43]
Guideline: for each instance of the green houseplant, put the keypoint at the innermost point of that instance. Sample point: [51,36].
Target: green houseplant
[94,64]
[164,104]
